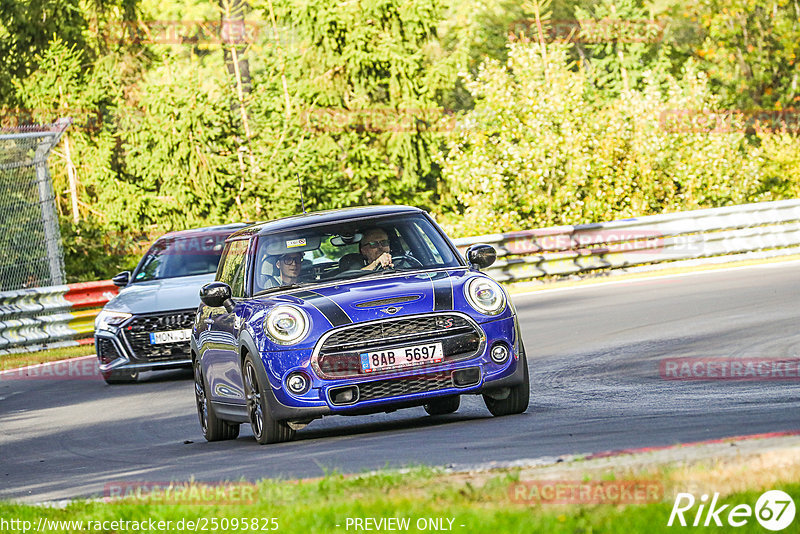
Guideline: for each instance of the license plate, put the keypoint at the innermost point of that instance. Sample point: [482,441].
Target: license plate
[173,336]
[410,356]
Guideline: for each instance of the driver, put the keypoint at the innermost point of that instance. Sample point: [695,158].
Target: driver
[374,246]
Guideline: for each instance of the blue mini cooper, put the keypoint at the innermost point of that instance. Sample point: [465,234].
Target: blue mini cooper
[350,312]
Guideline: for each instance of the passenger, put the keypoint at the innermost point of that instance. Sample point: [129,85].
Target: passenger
[289,268]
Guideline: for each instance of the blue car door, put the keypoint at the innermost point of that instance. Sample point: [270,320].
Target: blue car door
[221,357]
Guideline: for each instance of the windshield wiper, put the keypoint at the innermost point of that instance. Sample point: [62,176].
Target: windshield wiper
[276,288]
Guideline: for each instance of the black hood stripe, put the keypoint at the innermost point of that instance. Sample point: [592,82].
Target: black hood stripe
[327,307]
[442,291]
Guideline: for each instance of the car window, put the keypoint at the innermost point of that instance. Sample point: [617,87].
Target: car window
[173,257]
[342,251]
[232,266]
[429,247]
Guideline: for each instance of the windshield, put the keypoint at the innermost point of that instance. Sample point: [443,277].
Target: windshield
[172,257]
[345,251]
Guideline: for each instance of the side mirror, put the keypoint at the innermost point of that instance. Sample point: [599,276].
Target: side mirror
[481,256]
[217,295]
[122,279]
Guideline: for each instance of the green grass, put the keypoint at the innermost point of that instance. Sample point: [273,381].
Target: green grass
[320,505]
[22,359]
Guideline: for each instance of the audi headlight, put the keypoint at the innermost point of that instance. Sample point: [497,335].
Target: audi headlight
[486,296]
[287,324]
[108,318]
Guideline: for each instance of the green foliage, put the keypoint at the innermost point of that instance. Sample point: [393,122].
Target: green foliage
[620,44]
[357,102]
[538,151]
[26,29]
[179,152]
[781,157]
[750,49]
[91,252]
[364,81]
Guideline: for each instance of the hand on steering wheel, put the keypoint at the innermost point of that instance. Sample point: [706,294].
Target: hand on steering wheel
[410,262]
[383,261]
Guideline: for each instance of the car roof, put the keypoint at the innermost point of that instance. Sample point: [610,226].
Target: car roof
[221,229]
[323,217]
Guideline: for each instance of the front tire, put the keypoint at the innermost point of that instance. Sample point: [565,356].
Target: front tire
[265,428]
[518,397]
[214,428]
[443,406]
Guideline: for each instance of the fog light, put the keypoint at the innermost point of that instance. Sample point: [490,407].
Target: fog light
[467,377]
[499,353]
[297,383]
[344,395]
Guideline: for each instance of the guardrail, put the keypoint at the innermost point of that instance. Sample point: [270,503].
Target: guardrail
[56,316]
[64,315]
[750,231]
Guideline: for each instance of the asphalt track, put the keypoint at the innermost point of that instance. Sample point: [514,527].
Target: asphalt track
[594,354]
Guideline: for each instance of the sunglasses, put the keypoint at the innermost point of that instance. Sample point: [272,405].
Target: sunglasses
[291,260]
[376,244]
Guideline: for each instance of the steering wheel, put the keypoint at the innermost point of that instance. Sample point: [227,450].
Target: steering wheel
[410,262]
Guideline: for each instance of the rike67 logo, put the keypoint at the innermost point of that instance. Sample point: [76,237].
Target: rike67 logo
[774,510]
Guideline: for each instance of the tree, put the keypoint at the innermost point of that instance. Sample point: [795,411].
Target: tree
[750,49]
[618,40]
[355,122]
[539,150]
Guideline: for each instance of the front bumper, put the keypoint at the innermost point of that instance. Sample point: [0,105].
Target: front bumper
[410,388]
[114,353]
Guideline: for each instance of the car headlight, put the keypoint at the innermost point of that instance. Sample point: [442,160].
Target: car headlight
[108,318]
[486,296]
[287,324]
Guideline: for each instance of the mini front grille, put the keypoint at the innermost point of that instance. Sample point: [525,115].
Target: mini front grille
[338,355]
[393,387]
[106,351]
[379,332]
[138,330]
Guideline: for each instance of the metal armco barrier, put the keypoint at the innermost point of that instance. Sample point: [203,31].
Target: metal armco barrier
[62,315]
[750,231]
[55,316]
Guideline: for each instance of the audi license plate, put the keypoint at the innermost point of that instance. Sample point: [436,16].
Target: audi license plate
[402,357]
[173,336]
